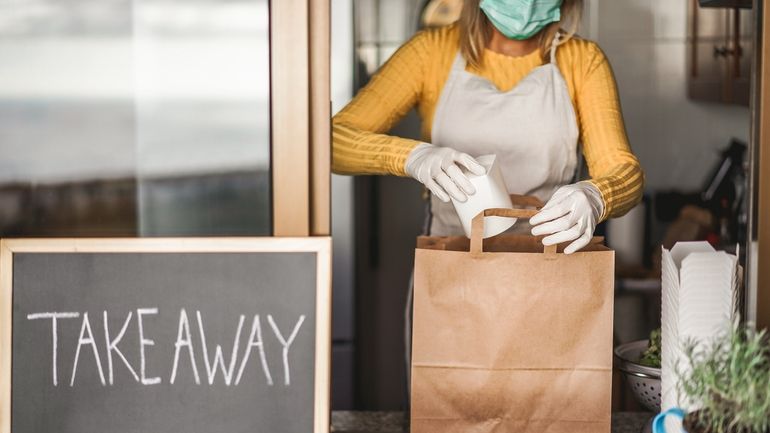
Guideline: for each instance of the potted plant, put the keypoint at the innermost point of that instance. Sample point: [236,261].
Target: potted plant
[729,383]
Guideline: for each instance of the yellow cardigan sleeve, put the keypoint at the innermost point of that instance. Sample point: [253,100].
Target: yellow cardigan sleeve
[359,142]
[613,168]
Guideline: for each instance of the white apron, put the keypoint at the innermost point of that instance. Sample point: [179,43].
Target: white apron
[532,129]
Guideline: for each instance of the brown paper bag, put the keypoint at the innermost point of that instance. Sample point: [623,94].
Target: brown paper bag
[511,339]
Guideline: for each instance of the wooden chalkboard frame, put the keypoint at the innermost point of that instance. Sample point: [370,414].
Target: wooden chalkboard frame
[321,246]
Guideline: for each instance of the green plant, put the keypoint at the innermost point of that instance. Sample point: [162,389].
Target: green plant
[729,382]
[651,356]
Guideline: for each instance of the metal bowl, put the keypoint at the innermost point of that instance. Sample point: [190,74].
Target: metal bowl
[644,380]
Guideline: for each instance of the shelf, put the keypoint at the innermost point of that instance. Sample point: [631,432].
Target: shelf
[743,4]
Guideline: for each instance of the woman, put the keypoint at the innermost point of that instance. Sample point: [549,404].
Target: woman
[510,78]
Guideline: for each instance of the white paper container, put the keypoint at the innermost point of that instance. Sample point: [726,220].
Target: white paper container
[490,193]
[700,287]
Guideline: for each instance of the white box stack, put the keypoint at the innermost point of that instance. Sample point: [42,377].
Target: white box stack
[699,301]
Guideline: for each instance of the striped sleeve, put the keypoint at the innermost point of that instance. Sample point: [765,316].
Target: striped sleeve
[613,168]
[360,144]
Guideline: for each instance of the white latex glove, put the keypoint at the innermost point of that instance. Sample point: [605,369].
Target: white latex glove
[570,215]
[437,168]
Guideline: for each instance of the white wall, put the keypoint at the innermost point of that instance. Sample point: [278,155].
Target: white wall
[676,139]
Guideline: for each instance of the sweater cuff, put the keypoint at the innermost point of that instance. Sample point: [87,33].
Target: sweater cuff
[399,161]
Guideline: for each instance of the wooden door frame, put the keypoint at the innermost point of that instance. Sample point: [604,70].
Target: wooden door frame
[300,105]
[758,254]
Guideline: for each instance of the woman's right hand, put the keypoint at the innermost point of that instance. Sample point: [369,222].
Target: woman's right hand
[438,169]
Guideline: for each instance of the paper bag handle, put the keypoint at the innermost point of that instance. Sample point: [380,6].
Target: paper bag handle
[477,226]
[526,201]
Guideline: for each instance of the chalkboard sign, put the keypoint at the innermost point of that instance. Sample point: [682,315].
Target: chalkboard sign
[228,335]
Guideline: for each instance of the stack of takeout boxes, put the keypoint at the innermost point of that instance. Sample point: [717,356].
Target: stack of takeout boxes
[700,300]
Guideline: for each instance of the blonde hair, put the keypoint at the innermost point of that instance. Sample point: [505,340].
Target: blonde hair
[476,29]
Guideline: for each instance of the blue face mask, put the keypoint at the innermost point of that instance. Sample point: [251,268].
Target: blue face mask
[521,19]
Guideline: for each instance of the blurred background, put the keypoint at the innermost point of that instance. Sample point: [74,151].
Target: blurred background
[151,118]
[122,117]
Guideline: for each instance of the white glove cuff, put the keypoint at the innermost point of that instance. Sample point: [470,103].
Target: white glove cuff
[595,197]
[412,165]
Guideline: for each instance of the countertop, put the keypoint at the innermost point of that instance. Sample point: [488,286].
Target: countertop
[395,422]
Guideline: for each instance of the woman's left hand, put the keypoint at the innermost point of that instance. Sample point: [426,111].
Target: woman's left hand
[570,215]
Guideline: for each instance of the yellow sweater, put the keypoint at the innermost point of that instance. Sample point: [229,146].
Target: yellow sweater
[415,75]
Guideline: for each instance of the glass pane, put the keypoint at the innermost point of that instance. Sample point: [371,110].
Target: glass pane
[134,118]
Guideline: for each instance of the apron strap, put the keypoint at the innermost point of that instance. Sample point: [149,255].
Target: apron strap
[554,44]
[459,62]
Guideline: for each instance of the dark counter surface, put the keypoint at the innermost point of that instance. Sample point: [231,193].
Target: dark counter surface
[395,422]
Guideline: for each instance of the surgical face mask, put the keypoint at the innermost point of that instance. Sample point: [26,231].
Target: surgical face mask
[521,19]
